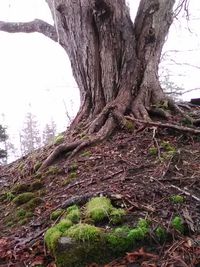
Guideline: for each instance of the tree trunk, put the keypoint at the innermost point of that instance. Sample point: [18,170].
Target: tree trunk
[115,62]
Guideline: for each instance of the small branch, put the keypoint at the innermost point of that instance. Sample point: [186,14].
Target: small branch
[36,25]
[166,125]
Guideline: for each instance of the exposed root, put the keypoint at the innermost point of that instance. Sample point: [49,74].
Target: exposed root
[165,125]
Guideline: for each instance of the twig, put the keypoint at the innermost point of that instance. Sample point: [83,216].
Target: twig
[185,192]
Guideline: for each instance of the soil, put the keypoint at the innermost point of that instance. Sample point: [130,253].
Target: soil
[125,168]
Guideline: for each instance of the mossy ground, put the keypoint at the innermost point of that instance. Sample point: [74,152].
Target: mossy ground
[121,166]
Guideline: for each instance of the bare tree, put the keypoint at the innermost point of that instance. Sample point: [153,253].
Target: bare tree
[114,61]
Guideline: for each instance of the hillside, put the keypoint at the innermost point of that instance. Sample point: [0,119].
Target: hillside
[152,172]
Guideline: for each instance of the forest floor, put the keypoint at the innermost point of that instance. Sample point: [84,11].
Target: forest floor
[144,169]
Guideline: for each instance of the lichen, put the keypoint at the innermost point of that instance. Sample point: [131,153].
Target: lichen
[23,198]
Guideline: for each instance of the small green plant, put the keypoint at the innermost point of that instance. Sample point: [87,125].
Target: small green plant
[59,139]
[161,233]
[73,214]
[153,151]
[177,224]
[177,199]
[83,232]
[98,208]
[56,214]
[23,198]
[117,216]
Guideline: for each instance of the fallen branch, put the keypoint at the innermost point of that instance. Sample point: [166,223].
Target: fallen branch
[185,192]
[165,125]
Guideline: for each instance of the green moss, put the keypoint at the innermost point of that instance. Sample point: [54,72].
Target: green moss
[74,167]
[21,213]
[117,216]
[98,208]
[177,224]
[86,154]
[140,232]
[36,185]
[167,146]
[59,139]
[37,165]
[53,170]
[73,214]
[33,203]
[72,175]
[51,238]
[177,199]
[20,188]
[9,196]
[129,125]
[55,214]
[83,232]
[118,240]
[23,221]
[143,223]
[161,233]
[63,225]
[23,198]
[153,151]
[9,224]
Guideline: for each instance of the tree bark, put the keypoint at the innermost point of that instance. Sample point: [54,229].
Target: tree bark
[115,62]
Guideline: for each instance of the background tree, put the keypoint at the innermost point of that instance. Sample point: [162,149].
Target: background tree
[49,132]
[30,136]
[114,61]
[3,151]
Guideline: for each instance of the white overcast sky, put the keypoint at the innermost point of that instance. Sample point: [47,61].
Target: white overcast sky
[36,70]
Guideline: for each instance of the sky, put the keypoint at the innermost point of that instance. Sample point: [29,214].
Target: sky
[36,70]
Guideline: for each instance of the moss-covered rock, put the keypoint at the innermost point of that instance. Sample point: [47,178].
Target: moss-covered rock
[23,198]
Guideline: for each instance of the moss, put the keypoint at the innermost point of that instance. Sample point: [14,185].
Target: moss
[118,240]
[37,165]
[23,198]
[20,188]
[177,224]
[23,221]
[73,214]
[177,199]
[51,238]
[74,167]
[21,213]
[153,151]
[86,154]
[117,216]
[143,223]
[161,233]
[36,185]
[33,203]
[53,170]
[167,146]
[9,196]
[63,225]
[83,232]
[9,224]
[140,232]
[129,125]
[72,175]
[55,214]
[98,208]
[59,139]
